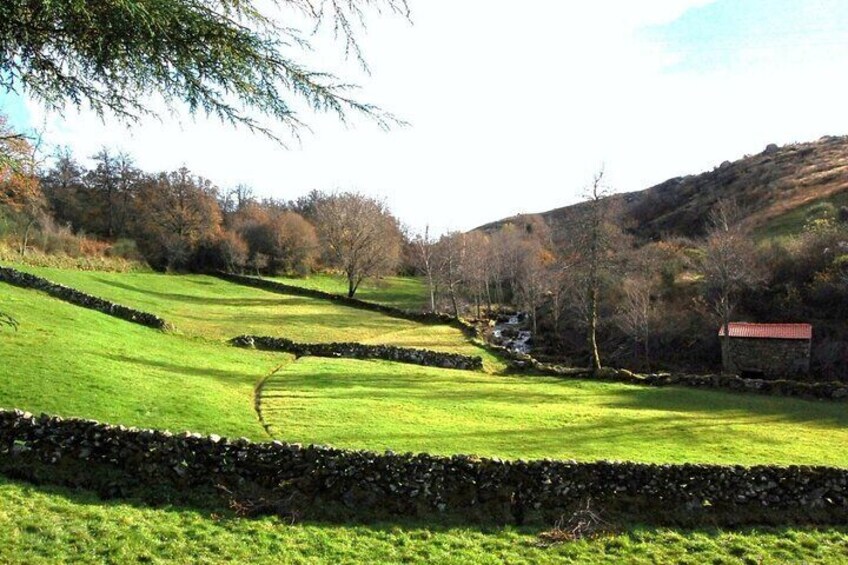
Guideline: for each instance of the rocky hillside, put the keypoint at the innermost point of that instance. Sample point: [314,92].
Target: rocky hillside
[769,186]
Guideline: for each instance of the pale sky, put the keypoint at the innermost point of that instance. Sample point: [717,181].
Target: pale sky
[514,105]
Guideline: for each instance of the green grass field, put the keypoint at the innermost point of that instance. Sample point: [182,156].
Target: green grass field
[75,362]
[408,293]
[411,408]
[211,308]
[48,525]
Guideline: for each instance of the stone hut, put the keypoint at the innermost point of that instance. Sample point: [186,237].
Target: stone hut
[768,350]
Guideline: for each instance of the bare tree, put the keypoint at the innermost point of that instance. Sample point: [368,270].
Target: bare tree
[360,236]
[477,269]
[595,242]
[236,200]
[293,243]
[174,213]
[729,265]
[424,248]
[450,257]
[636,309]
[533,281]
[634,316]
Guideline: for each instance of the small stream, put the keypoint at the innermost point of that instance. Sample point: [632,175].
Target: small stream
[509,333]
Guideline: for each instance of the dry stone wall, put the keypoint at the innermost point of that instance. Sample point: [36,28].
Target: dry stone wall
[834,390]
[78,298]
[360,351]
[325,482]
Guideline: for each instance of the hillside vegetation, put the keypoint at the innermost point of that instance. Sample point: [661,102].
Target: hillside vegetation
[768,186]
[76,362]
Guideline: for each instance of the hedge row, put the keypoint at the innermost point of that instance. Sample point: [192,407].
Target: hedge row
[326,482]
[78,298]
[360,351]
[282,288]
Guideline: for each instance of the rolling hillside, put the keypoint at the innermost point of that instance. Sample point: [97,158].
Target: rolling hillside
[73,361]
[770,186]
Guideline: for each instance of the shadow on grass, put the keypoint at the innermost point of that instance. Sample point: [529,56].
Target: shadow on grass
[187,370]
[429,385]
[210,299]
[778,409]
[621,421]
[216,512]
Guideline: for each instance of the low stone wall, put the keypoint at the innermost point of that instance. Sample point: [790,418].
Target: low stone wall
[833,390]
[359,351]
[78,298]
[421,317]
[325,482]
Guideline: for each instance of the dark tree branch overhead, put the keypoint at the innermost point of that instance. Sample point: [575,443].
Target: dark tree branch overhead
[225,58]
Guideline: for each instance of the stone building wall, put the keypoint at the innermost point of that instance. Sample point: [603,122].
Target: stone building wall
[773,357]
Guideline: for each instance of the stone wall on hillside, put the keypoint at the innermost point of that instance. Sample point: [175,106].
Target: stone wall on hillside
[360,351]
[326,482]
[833,390]
[78,298]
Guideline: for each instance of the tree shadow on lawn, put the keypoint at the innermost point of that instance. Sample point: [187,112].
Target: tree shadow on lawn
[87,505]
[468,387]
[211,298]
[189,370]
[657,440]
[325,319]
[637,419]
[781,409]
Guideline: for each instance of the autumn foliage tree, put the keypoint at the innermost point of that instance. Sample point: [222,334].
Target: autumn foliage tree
[175,212]
[22,202]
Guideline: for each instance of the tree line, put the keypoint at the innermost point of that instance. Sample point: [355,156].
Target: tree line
[593,293]
[180,221]
[596,295]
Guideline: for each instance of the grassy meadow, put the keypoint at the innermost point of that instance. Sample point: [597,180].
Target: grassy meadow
[411,408]
[792,222]
[71,361]
[408,293]
[208,307]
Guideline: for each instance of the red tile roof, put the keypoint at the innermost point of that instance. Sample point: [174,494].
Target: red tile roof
[769,331]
